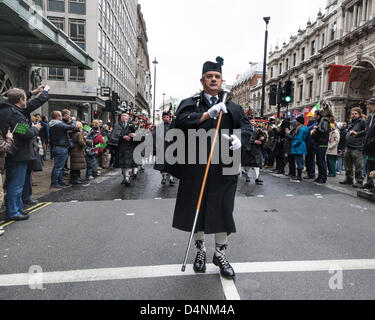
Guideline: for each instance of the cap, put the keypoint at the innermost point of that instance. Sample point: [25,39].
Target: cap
[371,101]
[211,66]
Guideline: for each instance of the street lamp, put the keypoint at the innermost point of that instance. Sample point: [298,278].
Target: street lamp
[266,20]
[155,62]
[163,101]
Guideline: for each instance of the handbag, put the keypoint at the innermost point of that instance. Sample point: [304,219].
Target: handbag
[37,164]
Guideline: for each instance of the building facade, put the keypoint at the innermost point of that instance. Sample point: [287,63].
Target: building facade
[107,31]
[246,89]
[343,35]
[143,99]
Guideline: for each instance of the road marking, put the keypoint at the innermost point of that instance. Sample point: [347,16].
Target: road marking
[144,272]
[260,196]
[230,290]
[290,195]
[39,207]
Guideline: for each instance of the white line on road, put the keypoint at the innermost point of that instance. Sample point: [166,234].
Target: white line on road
[22,279]
[230,290]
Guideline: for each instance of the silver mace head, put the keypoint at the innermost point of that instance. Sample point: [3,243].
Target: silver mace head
[226,95]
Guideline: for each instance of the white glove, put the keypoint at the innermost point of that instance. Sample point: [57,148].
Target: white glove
[214,112]
[236,143]
[47,88]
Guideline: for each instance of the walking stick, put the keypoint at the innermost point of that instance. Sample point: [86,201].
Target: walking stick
[226,95]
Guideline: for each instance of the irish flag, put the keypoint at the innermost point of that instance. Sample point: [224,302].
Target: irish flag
[316,108]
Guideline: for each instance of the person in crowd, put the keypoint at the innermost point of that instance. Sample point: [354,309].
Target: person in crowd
[354,149]
[5,145]
[341,147]
[279,146]
[77,154]
[299,149]
[158,145]
[289,156]
[332,151]
[369,145]
[59,131]
[98,142]
[14,115]
[311,148]
[66,118]
[269,159]
[251,154]
[44,135]
[320,133]
[91,159]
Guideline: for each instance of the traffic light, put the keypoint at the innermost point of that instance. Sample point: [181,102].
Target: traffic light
[115,101]
[273,95]
[95,114]
[108,105]
[288,92]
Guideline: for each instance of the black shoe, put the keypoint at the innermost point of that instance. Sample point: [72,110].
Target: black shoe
[56,186]
[20,217]
[172,182]
[123,181]
[258,182]
[65,184]
[359,184]
[226,269]
[308,178]
[127,182]
[200,262]
[30,202]
[347,181]
[164,181]
[75,183]
[247,179]
[319,181]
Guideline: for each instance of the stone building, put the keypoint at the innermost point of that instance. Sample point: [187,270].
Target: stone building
[246,89]
[29,41]
[143,99]
[107,31]
[343,35]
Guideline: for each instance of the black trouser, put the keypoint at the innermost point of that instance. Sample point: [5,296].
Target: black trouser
[280,164]
[75,175]
[270,159]
[292,164]
[321,159]
[310,161]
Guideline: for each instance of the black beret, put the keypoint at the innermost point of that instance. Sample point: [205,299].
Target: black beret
[166,114]
[211,66]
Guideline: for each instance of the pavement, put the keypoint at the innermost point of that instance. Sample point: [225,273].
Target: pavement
[106,241]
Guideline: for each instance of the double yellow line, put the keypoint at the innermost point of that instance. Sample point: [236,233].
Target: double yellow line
[31,210]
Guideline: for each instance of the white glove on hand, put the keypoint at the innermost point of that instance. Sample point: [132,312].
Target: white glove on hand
[236,143]
[214,112]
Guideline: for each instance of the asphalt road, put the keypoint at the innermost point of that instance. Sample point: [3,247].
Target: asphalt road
[113,242]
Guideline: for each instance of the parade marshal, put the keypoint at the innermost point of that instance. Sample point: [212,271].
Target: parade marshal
[216,214]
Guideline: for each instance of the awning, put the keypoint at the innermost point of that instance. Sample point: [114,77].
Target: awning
[26,37]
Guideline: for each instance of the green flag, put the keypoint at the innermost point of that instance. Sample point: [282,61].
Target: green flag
[87,128]
[21,128]
[101,145]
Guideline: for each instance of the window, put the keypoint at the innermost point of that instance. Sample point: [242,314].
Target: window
[56,5]
[323,40]
[333,31]
[100,47]
[294,59]
[272,72]
[300,92]
[56,74]
[303,50]
[287,64]
[77,6]
[311,83]
[280,68]
[76,74]
[313,48]
[77,32]
[38,3]
[58,22]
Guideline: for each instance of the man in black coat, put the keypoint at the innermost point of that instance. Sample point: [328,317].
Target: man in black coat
[13,117]
[122,138]
[216,214]
[162,130]
[369,144]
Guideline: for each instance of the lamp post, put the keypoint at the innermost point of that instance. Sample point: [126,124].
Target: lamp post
[155,62]
[266,20]
[163,101]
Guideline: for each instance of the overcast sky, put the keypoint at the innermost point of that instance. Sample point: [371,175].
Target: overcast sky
[183,34]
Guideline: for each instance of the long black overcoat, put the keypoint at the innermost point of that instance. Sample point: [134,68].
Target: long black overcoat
[125,148]
[216,214]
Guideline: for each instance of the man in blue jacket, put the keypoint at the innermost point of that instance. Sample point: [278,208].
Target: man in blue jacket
[60,147]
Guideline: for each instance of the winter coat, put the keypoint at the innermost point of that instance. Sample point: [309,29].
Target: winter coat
[77,153]
[310,142]
[369,140]
[352,141]
[159,143]
[252,157]
[97,139]
[299,141]
[342,143]
[333,143]
[216,215]
[321,135]
[59,133]
[5,145]
[125,148]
